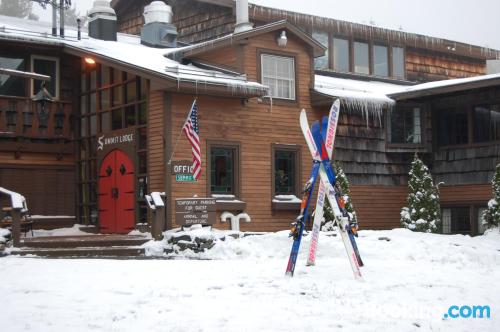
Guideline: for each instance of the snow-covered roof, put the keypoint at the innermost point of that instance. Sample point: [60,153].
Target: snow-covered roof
[445,86]
[361,95]
[128,51]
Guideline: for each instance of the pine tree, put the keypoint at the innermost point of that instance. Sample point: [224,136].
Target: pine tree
[423,212]
[491,217]
[344,185]
[16,8]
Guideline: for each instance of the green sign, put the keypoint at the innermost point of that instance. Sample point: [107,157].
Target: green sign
[184,178]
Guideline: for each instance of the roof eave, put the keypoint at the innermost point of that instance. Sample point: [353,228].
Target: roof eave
[495,81]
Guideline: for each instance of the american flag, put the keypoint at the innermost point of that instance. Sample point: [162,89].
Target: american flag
[191,130]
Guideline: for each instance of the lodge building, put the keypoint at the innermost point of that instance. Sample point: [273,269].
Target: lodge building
[110,134]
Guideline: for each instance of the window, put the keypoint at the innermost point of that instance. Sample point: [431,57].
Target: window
[453,127]
[224,168]
[405,127]
[380,61]
[46,66]
[321,62]
[398,62]
[486,123]
[286,172]
[456,220]
[12,85]
[341,54]
[361,58]
[278,73]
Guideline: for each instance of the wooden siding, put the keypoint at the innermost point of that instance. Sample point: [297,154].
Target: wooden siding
[156,141]
[378,207]
[423,66]
[256,126]
[49,190]
[466,194]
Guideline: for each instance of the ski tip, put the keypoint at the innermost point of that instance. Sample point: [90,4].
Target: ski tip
[289,274]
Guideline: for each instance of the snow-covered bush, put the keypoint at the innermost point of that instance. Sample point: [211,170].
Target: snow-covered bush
[422,213]
[344,185]
[491,217]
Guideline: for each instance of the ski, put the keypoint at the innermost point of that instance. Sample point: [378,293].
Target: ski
[327,176]
[329,130]
[300,222]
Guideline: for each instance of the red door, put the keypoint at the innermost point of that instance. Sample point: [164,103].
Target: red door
[116,193]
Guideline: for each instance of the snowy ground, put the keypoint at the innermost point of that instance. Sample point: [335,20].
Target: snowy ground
[410,282]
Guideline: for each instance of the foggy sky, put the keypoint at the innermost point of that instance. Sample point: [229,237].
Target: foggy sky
[474,22]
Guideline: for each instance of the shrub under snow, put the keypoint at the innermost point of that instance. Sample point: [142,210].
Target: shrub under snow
[491,217]
[423,212]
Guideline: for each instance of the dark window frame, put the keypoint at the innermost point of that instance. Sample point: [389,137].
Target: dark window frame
[236,147]
[473,208]
[423,138]
[297,149]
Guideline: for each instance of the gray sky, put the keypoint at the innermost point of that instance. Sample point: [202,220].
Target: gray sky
[475,22]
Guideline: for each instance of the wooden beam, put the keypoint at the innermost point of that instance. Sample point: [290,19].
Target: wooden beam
[24,74]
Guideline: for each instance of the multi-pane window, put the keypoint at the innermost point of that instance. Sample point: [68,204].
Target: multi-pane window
[341,54]
[46,66]
[278,73]
[380,61]
[285,172]
[405,126]
[486,123]
[453,127]
[456,220]
[398,62]
[361,58]
[223,169]
[12,85]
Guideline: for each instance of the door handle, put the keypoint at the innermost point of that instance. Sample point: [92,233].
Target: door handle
[114,192]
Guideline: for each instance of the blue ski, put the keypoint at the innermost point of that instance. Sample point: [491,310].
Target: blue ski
[300,223]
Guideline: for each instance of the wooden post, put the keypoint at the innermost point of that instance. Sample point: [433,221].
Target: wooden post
[16,227]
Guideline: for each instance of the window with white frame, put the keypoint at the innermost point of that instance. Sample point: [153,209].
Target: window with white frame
[278,73]
[46,66]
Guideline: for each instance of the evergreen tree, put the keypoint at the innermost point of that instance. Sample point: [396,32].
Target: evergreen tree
[423,212]
[16,8]
[491,217]
[343,184]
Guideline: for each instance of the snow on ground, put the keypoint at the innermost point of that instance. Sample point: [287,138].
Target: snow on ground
[410,282]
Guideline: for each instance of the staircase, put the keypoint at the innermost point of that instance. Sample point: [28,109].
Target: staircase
[85,246]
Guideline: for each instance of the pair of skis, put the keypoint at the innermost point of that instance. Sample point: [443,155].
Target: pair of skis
[320,142]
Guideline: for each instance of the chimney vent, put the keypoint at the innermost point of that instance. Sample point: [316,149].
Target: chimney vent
[102,21]
[242,22]
[158,31]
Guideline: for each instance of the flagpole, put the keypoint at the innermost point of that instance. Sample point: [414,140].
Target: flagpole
[179,136]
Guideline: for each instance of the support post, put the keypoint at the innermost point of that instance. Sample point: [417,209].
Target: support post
[16,227]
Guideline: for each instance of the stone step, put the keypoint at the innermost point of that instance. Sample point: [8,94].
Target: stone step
[83,241]
[83,252]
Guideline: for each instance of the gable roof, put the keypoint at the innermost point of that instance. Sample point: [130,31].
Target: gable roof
[318,48]
[129,54]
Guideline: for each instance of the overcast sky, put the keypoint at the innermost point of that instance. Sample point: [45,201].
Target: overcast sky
[475,22]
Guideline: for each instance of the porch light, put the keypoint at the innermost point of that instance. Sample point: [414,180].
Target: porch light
[90,61]
[42,99]
[282,40]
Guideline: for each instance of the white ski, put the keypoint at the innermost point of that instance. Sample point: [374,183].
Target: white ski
[330,193]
